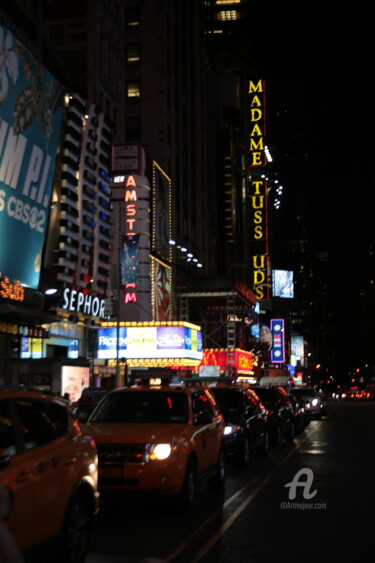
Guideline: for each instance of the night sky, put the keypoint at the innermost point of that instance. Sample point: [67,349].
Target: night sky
[318,59]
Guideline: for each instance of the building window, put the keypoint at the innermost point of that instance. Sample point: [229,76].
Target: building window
[133,91]
[132,54]
[227,2]
[133,129]
[228,15]
[132,16]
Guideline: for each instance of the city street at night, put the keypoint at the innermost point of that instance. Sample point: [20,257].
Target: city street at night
[255,521]
[187,301]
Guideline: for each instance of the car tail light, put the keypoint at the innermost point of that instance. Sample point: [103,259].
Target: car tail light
[75,428]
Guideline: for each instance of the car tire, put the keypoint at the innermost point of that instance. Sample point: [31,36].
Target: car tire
[76,531]
[218,481]
[188,495]
[244,453]
[264,447]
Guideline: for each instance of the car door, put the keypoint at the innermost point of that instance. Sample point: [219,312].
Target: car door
[35,473]
[205,434]
[256,416]
[285,411]
[250,416]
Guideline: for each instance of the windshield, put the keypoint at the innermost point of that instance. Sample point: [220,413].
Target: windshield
[229,401]
[265,395]
[145,406]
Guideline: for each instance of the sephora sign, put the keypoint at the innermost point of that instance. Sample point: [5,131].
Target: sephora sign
[84,304]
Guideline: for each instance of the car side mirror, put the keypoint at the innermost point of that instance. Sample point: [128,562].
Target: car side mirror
[4,459]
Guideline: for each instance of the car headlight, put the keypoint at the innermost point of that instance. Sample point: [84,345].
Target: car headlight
[230,429]
[314,402]
[160,451]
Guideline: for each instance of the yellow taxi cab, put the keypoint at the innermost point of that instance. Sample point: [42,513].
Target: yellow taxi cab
[50,470]
[159,440]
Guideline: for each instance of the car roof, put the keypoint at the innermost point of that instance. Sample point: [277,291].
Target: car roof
[31,393]
[154,388]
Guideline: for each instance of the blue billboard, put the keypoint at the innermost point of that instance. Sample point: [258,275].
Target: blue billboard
[150,342]
[278,341]
[31,102]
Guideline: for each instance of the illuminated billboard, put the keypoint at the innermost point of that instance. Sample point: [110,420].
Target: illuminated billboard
[243,360]
[282,284]
[31,111]
[172,341]
[278,341]
[161,291]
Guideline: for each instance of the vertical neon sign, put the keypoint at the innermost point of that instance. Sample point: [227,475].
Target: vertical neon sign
[257,123]
[278,341]
[258,192]
[130,241]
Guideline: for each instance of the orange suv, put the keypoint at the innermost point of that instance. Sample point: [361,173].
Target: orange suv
[50,470]
[159,439]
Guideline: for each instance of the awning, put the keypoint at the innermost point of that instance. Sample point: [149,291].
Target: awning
[21,315]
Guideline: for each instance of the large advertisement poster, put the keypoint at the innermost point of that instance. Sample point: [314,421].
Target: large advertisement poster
[162,292]
[30,121]
[130,260]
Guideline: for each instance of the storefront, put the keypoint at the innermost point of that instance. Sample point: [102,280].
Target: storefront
[48,349]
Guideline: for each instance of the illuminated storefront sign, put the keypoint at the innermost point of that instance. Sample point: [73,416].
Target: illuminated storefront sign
[278,341]
[257,109]
[259,238]
[29,135]
[244,361]
[147,342]
[21,330]
[82,303]
[13,291]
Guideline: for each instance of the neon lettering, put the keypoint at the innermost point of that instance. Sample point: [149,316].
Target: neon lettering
[130,181]
[13,291]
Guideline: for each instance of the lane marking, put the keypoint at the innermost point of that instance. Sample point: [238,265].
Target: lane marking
[218,513]
[228,523]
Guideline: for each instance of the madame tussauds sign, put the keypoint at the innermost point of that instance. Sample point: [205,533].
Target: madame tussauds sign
[84,304]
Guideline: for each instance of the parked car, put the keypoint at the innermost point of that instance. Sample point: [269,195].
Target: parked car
[85,405]
[245,422]
[159,440]
[50,469]
[301,407]
[316,400]
[280,416]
